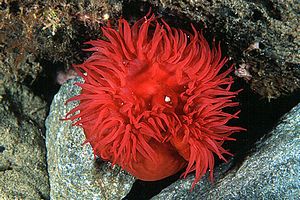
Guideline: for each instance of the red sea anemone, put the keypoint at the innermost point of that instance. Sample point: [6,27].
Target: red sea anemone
[152,100]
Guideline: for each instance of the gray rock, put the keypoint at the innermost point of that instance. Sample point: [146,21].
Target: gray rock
[25,104]
[271,172]
[23,169]
[71,165]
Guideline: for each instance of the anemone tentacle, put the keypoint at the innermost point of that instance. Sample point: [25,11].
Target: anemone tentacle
[150,86]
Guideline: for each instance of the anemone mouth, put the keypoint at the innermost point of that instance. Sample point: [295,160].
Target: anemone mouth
[162,85]
[154,86]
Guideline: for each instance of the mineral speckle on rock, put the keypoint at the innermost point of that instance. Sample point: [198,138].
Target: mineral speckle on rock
[73,172]
[23,168]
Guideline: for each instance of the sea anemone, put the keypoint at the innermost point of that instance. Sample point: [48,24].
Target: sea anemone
[153,100]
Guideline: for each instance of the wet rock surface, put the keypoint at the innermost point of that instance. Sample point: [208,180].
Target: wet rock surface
[73,171]
[272,171]
[23,168]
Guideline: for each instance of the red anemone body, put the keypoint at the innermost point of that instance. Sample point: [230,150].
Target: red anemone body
[152,100]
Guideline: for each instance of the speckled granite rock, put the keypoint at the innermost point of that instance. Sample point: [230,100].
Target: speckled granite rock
[23,169]
[71,165]
[271,172]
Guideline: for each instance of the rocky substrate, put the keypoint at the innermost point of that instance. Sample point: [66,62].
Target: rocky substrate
[261,37]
